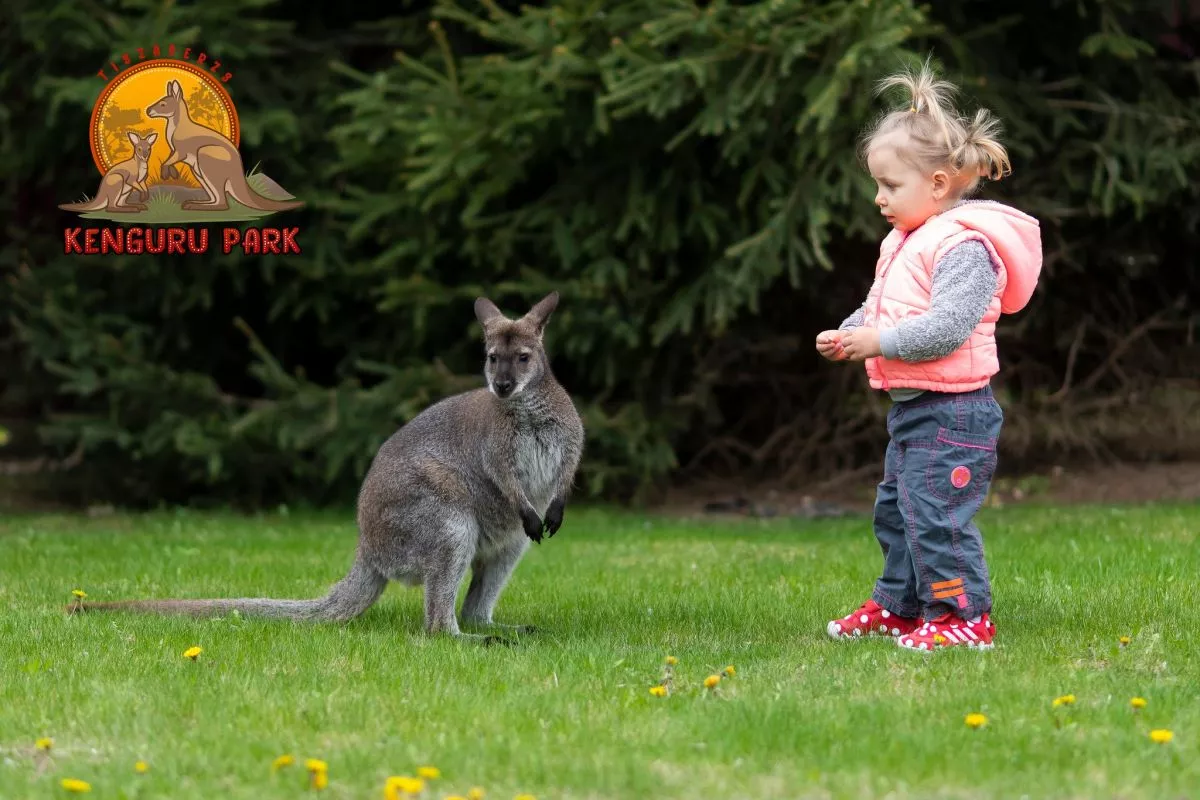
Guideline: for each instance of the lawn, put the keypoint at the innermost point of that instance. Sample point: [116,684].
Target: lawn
[567,713]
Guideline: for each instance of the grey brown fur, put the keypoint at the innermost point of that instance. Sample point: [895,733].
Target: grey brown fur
[466,484]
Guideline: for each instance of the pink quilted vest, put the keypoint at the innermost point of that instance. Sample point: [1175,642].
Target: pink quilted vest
[904,276]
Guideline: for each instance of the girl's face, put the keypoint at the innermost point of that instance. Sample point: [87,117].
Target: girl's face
[906,196]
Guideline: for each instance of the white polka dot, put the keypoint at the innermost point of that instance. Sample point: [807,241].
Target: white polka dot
[858,632]
[886,613]
[895,631]
[838,627]
[863,619]
[933,628]
[924,646]
[883,628]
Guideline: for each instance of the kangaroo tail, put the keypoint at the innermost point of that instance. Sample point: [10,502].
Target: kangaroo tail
[348,598]
[239,189]
[95,204]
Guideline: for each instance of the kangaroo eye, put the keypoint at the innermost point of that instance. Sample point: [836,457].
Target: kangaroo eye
[523,357]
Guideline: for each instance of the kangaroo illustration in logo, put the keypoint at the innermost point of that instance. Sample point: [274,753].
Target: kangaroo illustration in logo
[120,181]
[213,158]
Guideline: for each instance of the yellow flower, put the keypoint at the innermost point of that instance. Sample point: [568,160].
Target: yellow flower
[976,720]
[76,785]
[285,760]
[1124,640]
[455,797]
[475,794]
[429,773]
[193,653]
[730,671]
[524,797]
[711,681]
[1065,700]
[320,779]
[672,661]
[316,765]
[939,639]
[141,767]
[1161,736]
[1138,702]
[45,743]
[399,785]
[658,691]
[80,593]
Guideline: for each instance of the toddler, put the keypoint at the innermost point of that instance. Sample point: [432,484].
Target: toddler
[946,272]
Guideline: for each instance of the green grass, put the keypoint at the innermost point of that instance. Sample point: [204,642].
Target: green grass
[567,713]
[163,210]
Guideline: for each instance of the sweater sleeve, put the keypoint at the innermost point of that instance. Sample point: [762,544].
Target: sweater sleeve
[854,320]
[964,281]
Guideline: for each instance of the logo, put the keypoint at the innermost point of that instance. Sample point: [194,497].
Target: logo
[164,136]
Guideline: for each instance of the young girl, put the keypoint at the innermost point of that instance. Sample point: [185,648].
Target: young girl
[946,271]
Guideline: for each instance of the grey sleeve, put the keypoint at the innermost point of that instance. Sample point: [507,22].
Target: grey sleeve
[854,320]
[964,281]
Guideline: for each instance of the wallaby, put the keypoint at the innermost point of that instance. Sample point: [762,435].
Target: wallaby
[468,482]
[214,159]
[120,181]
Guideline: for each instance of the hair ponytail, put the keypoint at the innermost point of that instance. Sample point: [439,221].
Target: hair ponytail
[937,136]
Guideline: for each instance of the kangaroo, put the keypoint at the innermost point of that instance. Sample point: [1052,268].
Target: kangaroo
[120,181]
[468,482]
[213,158]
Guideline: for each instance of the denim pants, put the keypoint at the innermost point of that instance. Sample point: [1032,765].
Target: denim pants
[939,464]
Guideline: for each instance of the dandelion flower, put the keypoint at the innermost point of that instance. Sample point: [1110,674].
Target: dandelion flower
[141,767]
[399,785]
[475,794]
[1161,736]
[730,671]
[672,661]
[316,765]
[193,653]
[1138,702]
[80,593]
[45,743]
[455,797]
[429,773]
[711,681]
[524,797]
[1124,640]
[76,785]
[319,779]
[285,760]
[975,720]
[1065,700]
[658,691]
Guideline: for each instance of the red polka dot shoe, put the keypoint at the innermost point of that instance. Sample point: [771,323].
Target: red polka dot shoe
[871,619]
[951,631]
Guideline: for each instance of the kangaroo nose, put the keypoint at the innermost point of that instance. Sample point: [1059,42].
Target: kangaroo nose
[503,387]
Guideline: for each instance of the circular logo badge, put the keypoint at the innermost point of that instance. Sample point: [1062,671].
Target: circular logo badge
[960,476]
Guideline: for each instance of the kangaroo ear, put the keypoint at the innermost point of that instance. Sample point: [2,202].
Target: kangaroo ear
[486,311]
[173,88]
[152,138]
[133,137]
[541,312]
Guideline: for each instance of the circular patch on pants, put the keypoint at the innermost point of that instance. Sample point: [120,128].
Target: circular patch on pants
[960,476]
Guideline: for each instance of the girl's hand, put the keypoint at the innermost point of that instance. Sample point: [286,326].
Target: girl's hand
[829,345]
[861,344]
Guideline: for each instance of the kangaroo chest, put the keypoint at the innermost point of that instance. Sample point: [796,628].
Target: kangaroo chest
[539,459]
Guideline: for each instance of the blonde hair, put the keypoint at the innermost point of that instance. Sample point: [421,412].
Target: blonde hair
[937,136]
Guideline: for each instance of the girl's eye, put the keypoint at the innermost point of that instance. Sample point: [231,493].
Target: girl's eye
[492,358]
[523,357]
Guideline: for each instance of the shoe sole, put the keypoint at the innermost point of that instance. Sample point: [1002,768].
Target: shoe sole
[971,646]
[835,634]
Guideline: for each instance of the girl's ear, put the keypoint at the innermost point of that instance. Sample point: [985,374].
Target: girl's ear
[941,184]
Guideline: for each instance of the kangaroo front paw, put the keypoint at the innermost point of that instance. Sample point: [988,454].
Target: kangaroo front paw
[532,524]
[554,517]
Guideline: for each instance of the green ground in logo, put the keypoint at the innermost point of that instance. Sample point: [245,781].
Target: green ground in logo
[164,205]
